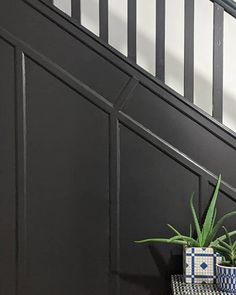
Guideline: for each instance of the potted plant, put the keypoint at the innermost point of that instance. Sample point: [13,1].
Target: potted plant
[226,270]
[199,258]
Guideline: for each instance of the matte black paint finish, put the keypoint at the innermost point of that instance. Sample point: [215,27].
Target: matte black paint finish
[105,155]
[228,5]
[98,70]
[132,29]
[148,176]
[8,186]
[218,56]
[103,20]
[68,202]
[160,39]
[189,49]
[182,132]
[76,10]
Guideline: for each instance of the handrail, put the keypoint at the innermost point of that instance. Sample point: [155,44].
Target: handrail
[228,5]
[219,8]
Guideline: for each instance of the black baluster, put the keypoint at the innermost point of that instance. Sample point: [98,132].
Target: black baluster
[218,62]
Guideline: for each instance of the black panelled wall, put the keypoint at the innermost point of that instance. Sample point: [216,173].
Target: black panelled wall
[94,154]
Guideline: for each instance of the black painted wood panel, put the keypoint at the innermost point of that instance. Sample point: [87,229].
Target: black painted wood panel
[8,187]
[148,176]
[64,49]
[105,155]
[225,204]
[67,195]
[182,132]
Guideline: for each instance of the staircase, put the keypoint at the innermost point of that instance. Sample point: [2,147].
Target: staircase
[97,152]
[188,45]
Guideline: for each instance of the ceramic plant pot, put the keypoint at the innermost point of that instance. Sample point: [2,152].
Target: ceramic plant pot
[226,278]
[200,265]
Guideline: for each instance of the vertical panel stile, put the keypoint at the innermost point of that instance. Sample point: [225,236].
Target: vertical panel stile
[103,19]
[218,62]
[125,95]
[21,235]
[114,202]
[160,39]
[8,167]
[75,10]
[132,24]
[189,50]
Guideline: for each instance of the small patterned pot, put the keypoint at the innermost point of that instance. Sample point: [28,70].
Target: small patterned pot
[226,278]
[200,265]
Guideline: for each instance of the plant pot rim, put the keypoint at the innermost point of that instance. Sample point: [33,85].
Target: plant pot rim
[187,247]
[228,267]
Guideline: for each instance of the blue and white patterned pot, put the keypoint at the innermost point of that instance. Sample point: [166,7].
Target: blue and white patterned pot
[200,265]
[226,278]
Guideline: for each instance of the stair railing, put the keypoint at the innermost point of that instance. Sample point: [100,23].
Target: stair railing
[220,6]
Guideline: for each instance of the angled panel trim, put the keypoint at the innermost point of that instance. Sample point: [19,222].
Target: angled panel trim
[107,107]
[131,69]
[171,151]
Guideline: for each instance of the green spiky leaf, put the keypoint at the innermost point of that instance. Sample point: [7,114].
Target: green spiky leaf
[174,230]
[228,236]
[160,240]
[195,219]
[220,223]
[222,238]
[191,242]
[227,249]
[190,231]
[206,230]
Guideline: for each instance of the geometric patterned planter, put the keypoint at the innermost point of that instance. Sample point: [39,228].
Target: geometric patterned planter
[226,278]
[200,265]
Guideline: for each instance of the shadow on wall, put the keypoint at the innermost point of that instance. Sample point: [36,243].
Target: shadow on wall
[155,283]
[203,97]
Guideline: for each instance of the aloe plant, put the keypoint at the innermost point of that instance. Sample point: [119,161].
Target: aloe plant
[205,233]
[227,250]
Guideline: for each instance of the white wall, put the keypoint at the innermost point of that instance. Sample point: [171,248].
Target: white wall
[174,39]
[230,72]
[174,34]
[64,5]
[146,35]
[203,54]
[90,15]
[117,35]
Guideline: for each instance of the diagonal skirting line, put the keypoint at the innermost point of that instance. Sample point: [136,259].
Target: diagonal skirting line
[106,106]
[67,24]
[174,153]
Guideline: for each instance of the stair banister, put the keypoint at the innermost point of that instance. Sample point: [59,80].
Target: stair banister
[228,6]
[219,9]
